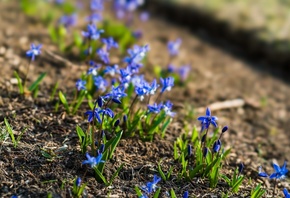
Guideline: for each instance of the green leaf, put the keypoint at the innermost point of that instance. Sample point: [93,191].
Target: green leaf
[79,101]
[164,127]
[157,122]
[10,131]
[54,91]
[116,174]
[172,193]
[99,175]
[36,83]
[156,194]
[161,173]
[236,186]
[115,143]
[19,82]
[228,180]
[194,171]
[63,101]
[138,191]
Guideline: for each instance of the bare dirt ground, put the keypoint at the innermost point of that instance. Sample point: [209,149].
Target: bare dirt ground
[259,130]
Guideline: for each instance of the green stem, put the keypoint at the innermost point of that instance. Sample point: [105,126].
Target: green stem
[27,71]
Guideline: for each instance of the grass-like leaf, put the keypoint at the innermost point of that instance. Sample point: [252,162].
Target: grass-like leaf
[19,83]
[63,101]
[36,83]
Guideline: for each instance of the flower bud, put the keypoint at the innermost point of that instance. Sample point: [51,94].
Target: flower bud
[189,150]
[225,128]
[78,182]
[117,122]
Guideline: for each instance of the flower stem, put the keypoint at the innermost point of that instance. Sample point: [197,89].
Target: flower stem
[27,71]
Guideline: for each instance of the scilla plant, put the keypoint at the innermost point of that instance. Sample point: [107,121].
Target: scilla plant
[201,156]
[22,85]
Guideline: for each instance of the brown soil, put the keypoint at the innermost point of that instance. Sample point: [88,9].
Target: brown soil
[258,130]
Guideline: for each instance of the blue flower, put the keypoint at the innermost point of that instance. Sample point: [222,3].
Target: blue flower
[94,68]
[143,196]
[107,111]
[92,32]
[142,89]
[93,161]
[125,73]
[94,18]
[116,94]
[167,84]
[262,174]
[100,83]
[151,186]
[173,47]
[144,16]
[153,87]
[81,85]
[136,54]
[167,108]
[155,108]
[68,20]
[91,115]
[34,51]
[183,72]
[280,173]
[104,55]
[78,182]
[109,42]
[286,194]
[185,194]
[216,146]
[96,5]
[207,120]
[112,70]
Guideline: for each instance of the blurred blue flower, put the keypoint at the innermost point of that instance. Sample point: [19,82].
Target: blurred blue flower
[144,16]
[94,68]
[153,87]
[93,161]
[78,182]
[207,120]
[183,72]
[167,108]
[280,172]
[173,47]
[92,32]
[137,53]
[81,85]
[68,20]
[109,42]
[107,111]
[34,51]
[116,94]
[260,173]
[151,186]
[104,55]
[216,146]
[167,84]
[155,108]
[96,5]
[94,18]
[100,83]
[185,194]
[92,115]
[112,70]
[286,194]
[137,34]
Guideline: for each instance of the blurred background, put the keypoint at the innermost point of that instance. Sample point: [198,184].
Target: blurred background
[261,28]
